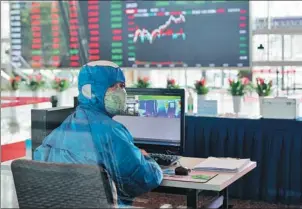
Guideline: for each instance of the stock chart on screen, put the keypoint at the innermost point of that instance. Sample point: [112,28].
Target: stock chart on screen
[63,34]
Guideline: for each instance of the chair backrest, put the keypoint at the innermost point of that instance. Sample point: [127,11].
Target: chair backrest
[44,121]
[50,185]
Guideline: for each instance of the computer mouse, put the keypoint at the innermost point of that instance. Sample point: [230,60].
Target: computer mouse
[182,171]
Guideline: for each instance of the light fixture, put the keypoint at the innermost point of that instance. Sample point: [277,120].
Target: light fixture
[260,47]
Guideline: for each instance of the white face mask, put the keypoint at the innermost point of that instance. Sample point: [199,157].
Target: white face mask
[115,101]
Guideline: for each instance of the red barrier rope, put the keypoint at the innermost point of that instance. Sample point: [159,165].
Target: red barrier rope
[13,151]
[18,101]
[20,98]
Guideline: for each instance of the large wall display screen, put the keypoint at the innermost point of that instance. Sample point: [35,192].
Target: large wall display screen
[64,34]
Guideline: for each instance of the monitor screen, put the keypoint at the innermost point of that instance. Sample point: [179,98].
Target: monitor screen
[153,119]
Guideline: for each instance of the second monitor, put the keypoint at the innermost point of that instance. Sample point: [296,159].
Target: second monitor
[155,118]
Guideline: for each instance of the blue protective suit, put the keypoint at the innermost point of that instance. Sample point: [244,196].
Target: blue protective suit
[91,136]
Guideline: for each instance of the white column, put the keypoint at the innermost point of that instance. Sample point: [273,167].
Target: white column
[13,110]
[36,94]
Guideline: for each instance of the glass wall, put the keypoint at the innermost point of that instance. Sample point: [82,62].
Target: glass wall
[4,20]
[4,32]
[262,9]
[282,8]
[293,47]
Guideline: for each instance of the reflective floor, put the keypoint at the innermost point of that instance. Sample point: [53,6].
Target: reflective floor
[8,193]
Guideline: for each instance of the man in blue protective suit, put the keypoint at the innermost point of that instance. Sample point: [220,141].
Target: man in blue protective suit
[91,136]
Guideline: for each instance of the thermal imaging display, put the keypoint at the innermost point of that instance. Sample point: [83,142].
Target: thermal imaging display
[146,115]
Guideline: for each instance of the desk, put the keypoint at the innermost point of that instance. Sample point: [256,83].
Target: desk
[276,146]
[219,183]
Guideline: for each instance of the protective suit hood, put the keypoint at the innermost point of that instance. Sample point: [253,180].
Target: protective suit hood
[94,80]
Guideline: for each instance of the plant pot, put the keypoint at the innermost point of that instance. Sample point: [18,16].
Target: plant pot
[36,95]
[61,95]
[200,100]
[15,93]
[237,103]
[14,118]
[261,100]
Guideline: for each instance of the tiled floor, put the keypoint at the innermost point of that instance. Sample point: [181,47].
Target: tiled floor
[155,200]
[8,193]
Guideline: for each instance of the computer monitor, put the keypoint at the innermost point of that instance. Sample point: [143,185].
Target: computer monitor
[155,118]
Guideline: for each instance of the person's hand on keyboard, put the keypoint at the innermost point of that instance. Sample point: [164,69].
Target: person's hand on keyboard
[144,152]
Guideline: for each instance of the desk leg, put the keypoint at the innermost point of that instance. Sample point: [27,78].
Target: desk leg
[225,194]
[192,199]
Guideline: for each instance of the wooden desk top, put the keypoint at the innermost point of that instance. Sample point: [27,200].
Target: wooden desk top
[218,183]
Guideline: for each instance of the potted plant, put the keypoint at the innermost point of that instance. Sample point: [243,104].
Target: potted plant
[60,85]
[15,83]
[202,90]
[171,84]
[143,83]
[238,88]
[35,84]
[263,88]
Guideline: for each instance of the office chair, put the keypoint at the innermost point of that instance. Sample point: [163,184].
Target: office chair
[51,185]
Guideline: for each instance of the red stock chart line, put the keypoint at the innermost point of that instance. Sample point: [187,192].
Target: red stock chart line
[162,30]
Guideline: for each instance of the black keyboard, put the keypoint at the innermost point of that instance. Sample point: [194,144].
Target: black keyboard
[164,160]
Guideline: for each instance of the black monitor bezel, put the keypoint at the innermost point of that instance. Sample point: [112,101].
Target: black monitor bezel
[165,149]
